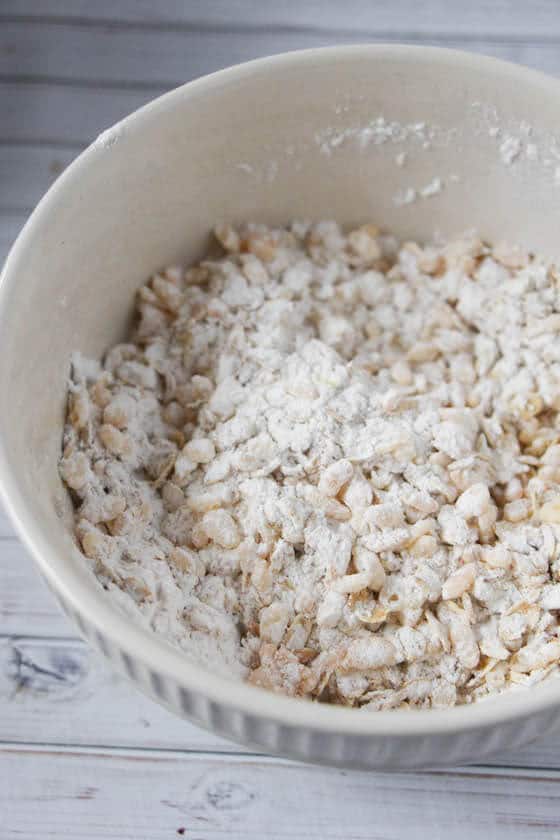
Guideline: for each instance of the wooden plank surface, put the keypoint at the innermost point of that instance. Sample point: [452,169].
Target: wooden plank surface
[105,55]
[6,527]
[502,18]
[26,173]
[10,225]
[125,795]
[48,113]
[26,606]
[58,691]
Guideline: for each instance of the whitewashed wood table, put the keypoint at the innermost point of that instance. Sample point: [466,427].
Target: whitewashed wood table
[82,755]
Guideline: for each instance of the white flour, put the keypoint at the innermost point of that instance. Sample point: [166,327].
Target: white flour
[518,143]
[331,465]
[364,137]
[376,132]
[510,149]
[408,195]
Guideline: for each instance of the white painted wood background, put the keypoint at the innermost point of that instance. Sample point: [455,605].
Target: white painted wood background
[82,755]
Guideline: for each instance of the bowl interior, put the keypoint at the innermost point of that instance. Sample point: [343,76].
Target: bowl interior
[417,141]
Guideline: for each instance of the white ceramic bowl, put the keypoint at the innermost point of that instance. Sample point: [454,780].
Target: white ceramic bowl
[285,137]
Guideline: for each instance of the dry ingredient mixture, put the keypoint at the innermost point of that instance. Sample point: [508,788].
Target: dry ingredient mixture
[330,464]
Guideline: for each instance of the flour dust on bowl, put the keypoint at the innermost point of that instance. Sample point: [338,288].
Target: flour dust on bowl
[424,144]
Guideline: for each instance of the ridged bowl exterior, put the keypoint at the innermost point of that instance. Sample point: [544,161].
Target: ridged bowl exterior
[373,752]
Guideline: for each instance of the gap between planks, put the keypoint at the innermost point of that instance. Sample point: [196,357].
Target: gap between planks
[106,58]
[116,795]
[437,16]
[474,771]
[392,31]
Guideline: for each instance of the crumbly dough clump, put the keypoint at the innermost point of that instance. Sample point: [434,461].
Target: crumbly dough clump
[330,464]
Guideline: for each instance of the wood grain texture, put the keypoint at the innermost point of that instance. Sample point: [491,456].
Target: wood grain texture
[503,19]
[97,54]
[6,527]
[26,173]
[26,605]
[58,691]
[156,796]
[56,114]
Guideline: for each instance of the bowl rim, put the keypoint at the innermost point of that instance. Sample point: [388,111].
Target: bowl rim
[138,641]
